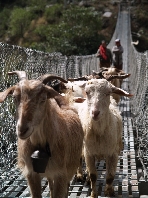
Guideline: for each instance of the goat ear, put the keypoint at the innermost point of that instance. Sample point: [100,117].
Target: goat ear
[83,84]
[5,93]
[51,93]
[79,99]
[121,92]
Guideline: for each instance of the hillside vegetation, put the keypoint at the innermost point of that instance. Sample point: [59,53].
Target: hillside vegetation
[139,25]
[69,27]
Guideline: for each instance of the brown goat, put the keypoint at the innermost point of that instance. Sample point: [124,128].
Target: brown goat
[45,118]
[116,77]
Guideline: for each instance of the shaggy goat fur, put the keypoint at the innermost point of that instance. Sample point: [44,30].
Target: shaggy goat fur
[102,125]
[44,116]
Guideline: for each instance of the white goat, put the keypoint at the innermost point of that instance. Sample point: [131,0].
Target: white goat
[44,117]
[102,125]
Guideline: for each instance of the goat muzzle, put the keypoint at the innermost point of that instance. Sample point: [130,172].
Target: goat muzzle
[95,114]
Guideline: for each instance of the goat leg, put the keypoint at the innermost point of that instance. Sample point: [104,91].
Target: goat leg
[34,181]
[80,171]
[60,189]
[50,182]
[111,164]
[90,163]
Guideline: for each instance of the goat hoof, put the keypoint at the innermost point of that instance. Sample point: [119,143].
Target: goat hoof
[79,178]
[109,192]
[87,182]
[93,195]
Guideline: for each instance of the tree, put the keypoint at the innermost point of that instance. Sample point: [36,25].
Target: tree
[4,21]
[19,22]
[75,34]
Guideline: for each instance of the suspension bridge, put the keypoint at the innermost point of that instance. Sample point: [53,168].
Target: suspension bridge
[132,169]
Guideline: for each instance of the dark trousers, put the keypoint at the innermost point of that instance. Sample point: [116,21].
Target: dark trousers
[105,64]
[118,66]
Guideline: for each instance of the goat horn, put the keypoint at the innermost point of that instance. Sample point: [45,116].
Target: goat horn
[102,69]
[95,73]
[125,75]
[110,77]
[118,70]
[77,79]
[21,74]
[47,77]
[99,74]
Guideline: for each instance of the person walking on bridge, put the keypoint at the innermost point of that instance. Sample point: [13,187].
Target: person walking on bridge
[117,51]
[105,55]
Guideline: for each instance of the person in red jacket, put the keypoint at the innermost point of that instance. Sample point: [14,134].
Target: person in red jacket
[104,55]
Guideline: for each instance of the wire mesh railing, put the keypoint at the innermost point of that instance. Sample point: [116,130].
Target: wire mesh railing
[139,104]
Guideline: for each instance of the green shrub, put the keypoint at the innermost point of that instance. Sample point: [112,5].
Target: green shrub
[20,21]
[37,3]
[4,18]
[38,46]
[53,13]
[77,33]
[42,31]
